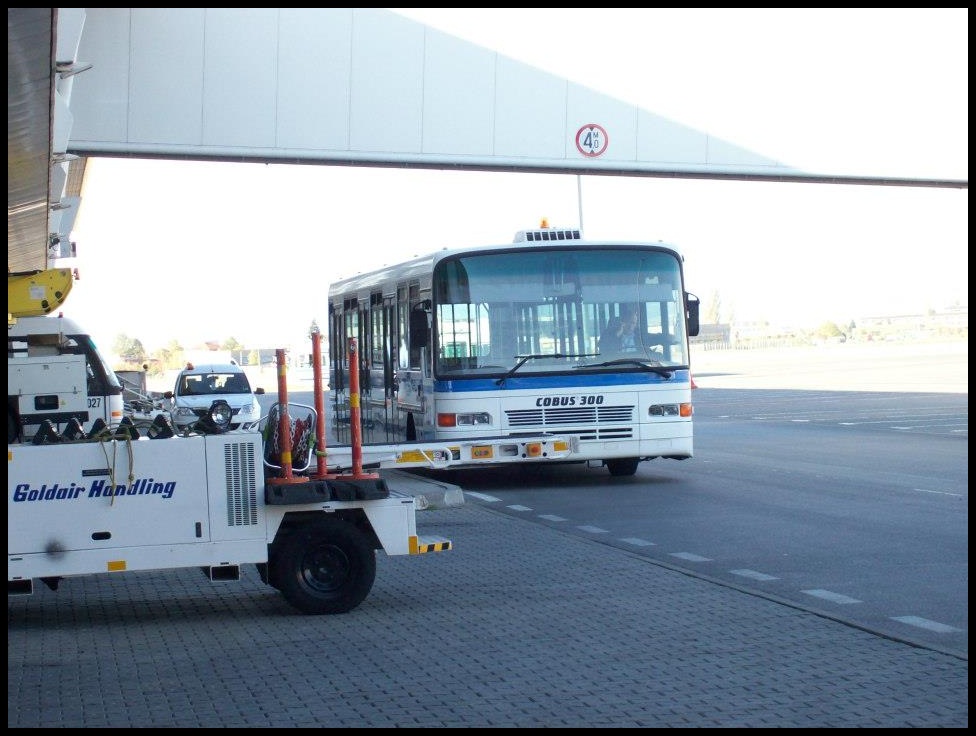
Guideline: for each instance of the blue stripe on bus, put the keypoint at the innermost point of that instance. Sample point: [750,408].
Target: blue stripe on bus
[592,380]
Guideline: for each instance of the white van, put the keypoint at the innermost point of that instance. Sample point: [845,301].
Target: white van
[198,386]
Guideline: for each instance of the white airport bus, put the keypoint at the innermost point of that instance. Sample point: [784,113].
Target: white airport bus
[522,338]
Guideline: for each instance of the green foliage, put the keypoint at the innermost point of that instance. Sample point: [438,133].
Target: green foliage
[170,357]
[829,329]
[129,349]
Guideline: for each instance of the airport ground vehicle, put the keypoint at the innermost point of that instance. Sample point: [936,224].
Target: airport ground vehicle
[115,499]
[56,373]
[198,385]
[510,339]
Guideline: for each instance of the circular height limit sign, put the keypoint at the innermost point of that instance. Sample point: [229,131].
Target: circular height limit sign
[592,140]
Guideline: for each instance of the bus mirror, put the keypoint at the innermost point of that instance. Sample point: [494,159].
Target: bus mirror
[692,306]
[418,329]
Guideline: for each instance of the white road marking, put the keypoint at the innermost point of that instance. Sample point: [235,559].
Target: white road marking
[754,575]
[924,623]
[690,557]
[832,597]
[939,493]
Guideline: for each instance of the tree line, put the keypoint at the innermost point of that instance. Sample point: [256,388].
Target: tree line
[132,355]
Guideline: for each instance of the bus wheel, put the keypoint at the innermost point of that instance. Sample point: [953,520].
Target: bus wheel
[622,466]
[326,566]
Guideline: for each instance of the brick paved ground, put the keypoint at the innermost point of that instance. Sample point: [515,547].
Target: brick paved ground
[518,625]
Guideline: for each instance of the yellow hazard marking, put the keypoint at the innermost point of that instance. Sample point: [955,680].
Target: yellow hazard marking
[418,548]
[411,456]
[435,547]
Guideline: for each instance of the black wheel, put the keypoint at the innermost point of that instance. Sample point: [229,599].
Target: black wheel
[622,466]
[326,566]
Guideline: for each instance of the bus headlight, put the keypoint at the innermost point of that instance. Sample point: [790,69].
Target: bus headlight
[669,410]
[464,420]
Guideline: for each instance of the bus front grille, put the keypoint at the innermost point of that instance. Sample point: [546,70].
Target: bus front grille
[587,422]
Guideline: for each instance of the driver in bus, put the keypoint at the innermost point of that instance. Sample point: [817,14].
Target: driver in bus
[621,333]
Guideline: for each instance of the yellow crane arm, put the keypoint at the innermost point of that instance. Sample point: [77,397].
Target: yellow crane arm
[36,293]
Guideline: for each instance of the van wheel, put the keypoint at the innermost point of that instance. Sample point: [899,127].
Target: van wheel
[622,466]
[326,566]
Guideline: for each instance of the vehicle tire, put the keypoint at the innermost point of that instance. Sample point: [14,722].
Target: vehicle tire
[325,566]
[622,466]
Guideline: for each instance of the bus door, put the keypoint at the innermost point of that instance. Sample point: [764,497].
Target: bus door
[414,380]
[377,326]
[344,324]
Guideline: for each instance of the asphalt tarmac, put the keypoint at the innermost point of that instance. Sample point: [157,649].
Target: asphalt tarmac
[519,625]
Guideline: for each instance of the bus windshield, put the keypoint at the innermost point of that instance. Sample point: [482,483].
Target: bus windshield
[566,308]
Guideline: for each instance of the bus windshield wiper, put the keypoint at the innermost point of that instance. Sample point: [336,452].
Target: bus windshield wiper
[523,359]
[647,365]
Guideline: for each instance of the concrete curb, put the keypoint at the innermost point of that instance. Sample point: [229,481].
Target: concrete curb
[430,494]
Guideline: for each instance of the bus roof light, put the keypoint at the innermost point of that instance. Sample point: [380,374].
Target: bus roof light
[547,233]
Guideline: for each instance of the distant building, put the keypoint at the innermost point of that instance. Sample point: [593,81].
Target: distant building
[208,353]
[951,323]
[948,324]
[711,333]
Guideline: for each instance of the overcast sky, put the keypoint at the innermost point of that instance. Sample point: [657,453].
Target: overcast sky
[195,251]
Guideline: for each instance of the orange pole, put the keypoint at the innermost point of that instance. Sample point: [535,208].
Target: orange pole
[321,465]
[354,411]
[284,423]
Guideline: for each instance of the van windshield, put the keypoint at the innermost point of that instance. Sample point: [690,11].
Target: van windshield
[207,384]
